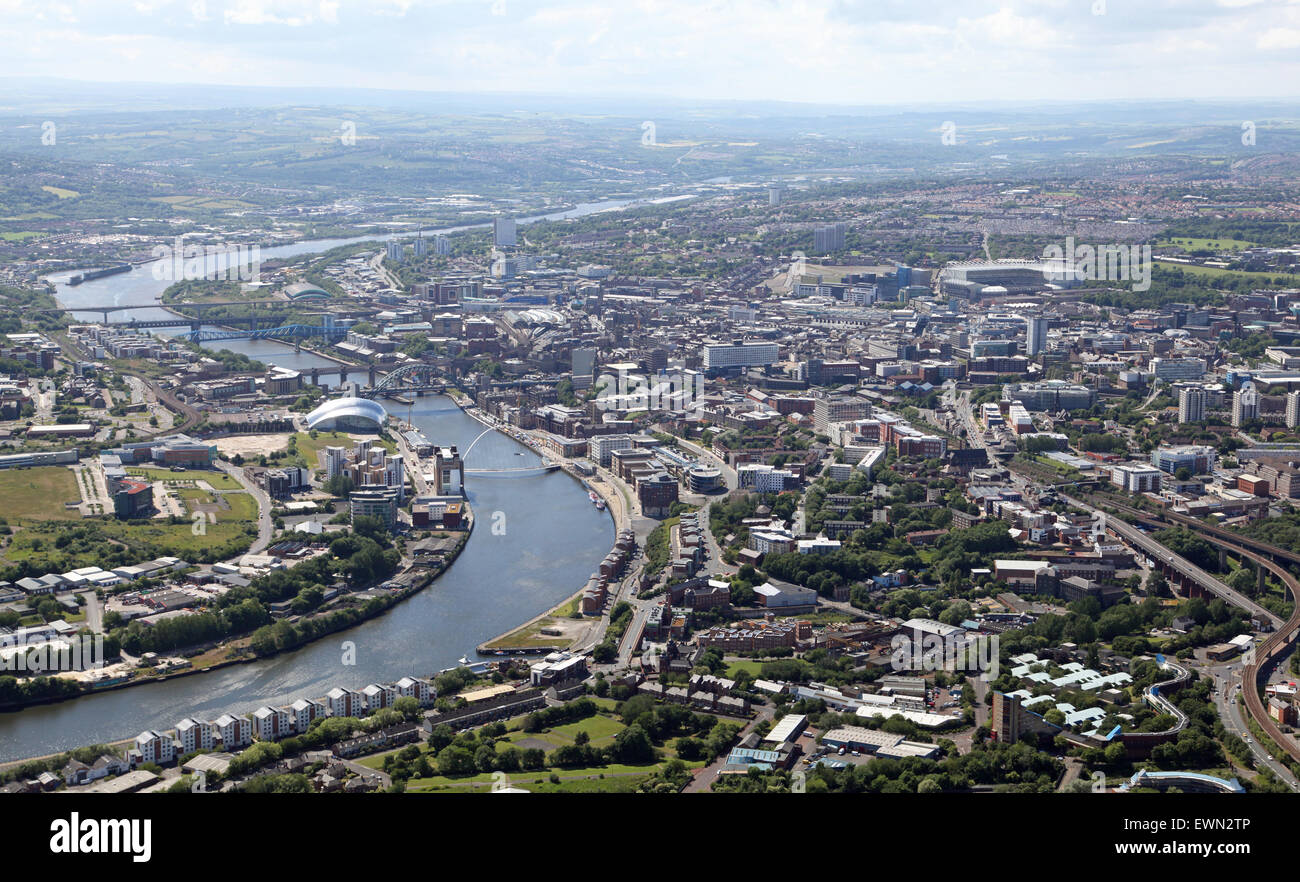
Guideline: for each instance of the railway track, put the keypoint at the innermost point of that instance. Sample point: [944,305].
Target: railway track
[1266,653]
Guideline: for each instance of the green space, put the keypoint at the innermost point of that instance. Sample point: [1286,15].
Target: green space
[530,636]
[216,480]
[243,507]
[749,667]
[1199,244]
[597,779]
[39,493]
[1216,272]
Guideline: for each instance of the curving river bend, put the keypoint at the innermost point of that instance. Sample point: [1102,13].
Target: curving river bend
[552,541]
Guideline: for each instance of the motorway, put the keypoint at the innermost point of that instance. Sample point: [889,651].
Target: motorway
[1262,655]
[1186,568]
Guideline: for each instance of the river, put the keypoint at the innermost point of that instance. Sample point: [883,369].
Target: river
[553,539]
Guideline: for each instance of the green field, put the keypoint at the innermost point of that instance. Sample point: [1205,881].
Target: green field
[1193,244]
[243,507]
[618,779]
[734,668]
[1214,271]
[216,480]
[39,493]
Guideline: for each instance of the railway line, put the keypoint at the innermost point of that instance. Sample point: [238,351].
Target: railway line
[1269,652]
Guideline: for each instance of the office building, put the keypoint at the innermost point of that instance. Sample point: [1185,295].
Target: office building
[375,501]
[1171,370]
[1136,478]
[1197,459]
[724,356]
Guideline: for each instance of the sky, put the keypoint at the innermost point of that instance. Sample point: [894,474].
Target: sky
[857,52]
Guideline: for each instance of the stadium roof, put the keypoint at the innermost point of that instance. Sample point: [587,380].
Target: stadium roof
[348,409]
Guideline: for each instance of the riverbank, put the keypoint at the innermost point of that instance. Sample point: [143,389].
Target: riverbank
[528,637]
[420,576]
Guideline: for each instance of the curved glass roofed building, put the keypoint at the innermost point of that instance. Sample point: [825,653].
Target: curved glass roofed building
[348,415]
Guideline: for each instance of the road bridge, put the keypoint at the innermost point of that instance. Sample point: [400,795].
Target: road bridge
[1277,646]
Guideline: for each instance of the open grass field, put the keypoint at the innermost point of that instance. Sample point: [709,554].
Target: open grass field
[242,506]
[180,538]
[1193,244]
[617,779]
[735,667]
[39,494]
[600,728]
[216,480]
[1216,272]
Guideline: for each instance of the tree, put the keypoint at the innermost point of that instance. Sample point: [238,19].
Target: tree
[454,760]
[632,746]
[1242,581]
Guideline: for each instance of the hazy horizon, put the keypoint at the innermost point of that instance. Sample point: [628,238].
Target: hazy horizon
[824,53]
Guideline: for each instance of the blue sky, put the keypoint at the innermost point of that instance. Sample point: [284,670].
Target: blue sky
[822,51]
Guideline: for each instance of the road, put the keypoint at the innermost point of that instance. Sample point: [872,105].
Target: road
[377,264]
[1156,551]
[94,612]
[1227,685]
[265,529]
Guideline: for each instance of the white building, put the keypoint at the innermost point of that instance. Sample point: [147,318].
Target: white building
[413,687]
[303,711]
[1136,478]
[235,732]
[721,356]
[600,447]
[763,478]
[1191,404]
[155,747]
[192,735]
[270,722]
[345,702]
[379,696]
[1245,404]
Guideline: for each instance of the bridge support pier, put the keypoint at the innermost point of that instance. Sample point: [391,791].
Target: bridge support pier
[373,376]
[1260,576]
[315,376]
[1223,558]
